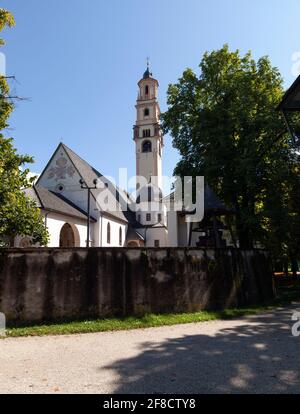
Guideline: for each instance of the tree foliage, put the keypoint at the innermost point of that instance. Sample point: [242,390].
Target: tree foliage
[19,214]
[225,125]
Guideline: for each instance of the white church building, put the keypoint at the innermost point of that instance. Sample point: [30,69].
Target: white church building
[61,193]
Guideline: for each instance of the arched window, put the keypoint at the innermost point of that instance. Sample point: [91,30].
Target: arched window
[149,194]
[146,133]
[146,90]
[147,146]
[146,112]
[120,236]
[108,233]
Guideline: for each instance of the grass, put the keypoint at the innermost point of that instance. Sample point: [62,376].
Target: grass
[286,296]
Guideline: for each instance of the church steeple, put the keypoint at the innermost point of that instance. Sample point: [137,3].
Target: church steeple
[147,73]
[147,132]
[148,137]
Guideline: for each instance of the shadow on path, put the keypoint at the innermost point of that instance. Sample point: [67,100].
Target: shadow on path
[258,356]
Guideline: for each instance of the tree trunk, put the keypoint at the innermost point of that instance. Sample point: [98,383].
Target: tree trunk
[245,240]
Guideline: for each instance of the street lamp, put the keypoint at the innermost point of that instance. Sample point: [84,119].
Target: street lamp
[84,186]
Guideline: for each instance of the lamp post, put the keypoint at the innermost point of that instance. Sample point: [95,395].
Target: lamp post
[84,186]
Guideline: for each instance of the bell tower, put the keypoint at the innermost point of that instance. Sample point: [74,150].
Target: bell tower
[148,138]
[147,132]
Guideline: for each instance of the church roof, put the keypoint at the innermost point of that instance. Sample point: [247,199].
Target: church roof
[50,201]
[291,98]
[147,73]
[211,201]
[133,234]
[89,174]
[30,192]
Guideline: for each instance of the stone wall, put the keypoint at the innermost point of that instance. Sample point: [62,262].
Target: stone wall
[50,284]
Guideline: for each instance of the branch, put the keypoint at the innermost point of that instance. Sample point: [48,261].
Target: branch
[18,98]
[11,77]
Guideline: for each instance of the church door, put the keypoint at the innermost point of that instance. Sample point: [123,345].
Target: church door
[67,237]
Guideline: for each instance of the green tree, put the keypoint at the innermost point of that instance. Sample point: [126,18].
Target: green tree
[19,214]
[225,125]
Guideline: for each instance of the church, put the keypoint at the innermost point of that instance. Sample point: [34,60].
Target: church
[69,189]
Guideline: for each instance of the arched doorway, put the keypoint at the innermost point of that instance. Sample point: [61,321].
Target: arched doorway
[67,236]
[25,243]
[133,243]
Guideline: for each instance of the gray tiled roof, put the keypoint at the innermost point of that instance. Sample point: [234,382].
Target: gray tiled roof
[291,98]
[211,200]
[30,192]
[57,203]
[133,234]
[89,174]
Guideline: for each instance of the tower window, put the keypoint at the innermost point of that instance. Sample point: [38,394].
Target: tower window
[149,194]
[147,146]
[146,133]
[146,90]
[146,112]
[159,217]
[148,217]
[156,243]
[108,233]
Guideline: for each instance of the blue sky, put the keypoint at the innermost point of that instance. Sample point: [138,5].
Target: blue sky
[79,62]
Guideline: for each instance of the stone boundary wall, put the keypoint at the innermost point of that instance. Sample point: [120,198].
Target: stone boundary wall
[51,284]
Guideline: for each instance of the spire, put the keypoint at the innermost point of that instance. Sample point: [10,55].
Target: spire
[147,73]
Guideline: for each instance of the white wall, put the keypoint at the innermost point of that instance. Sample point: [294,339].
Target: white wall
[55,223]
[71,187]
[114,232]
[153,233]
[172,229]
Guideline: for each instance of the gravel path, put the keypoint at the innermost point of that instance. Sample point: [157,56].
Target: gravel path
[257,354]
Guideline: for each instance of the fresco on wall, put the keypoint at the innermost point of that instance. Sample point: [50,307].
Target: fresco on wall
[61,170]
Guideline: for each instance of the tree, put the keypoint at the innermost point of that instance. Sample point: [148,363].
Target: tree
[225,125]
[19,214]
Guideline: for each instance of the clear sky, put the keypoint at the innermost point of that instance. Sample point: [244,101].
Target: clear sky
[79,62]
